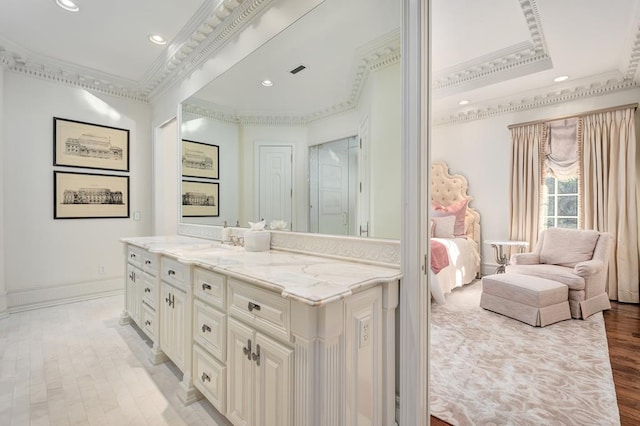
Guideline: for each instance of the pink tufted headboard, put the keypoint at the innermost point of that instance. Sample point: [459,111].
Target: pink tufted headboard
[447,189]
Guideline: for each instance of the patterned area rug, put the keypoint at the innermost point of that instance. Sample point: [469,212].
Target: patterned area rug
[487,369]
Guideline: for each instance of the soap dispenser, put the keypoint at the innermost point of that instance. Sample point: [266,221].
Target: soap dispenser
[226,232]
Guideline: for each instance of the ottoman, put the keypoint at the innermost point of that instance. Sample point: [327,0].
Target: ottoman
[533,300]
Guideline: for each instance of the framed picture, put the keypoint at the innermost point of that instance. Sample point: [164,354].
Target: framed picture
[200,160]
[90,196]
[200,199]
[91,146]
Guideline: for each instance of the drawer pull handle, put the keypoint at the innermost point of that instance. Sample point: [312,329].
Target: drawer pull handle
[147,262]
[171,272]
[147,290]
[206,286]
[147,322]
[205,377]
[205,328]
[253,306]
[256,356]
[132,255]
[247,350]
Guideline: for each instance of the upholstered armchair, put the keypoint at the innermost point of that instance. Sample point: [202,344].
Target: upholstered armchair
[576,257]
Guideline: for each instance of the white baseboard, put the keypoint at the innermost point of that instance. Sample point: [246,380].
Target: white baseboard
[24,300]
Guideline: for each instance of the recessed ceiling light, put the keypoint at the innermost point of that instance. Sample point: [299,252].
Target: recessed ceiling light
[561,78]
[68,5]
[463,102]
[267,83]
[157,39]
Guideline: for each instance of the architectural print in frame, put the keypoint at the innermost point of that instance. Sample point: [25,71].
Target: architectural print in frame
[200,199]
[90,196]
[200,160]
[91,146]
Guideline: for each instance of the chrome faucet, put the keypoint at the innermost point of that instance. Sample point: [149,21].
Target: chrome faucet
[237,241]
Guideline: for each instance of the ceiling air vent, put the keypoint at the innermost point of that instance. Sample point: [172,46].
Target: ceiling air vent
[297,69]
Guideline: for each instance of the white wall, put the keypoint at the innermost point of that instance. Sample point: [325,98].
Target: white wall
[47,259]
[3,293]
[226,136]
[384,153]
[481,151]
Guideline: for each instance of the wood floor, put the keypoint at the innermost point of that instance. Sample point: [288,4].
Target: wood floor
[623,334]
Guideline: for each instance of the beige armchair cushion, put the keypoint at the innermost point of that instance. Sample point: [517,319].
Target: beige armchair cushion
[557,273]
[568,247]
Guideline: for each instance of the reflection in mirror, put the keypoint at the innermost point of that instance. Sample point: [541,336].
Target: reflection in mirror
[335,75]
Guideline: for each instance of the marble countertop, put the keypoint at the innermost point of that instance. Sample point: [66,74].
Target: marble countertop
[313,280]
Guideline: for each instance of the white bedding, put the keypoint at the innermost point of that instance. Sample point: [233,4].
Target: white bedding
[464,265]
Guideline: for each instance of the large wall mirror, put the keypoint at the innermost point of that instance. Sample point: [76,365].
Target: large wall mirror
[304,132]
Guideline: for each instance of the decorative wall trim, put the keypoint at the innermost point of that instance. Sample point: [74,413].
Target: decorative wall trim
[368,250]
[25,300]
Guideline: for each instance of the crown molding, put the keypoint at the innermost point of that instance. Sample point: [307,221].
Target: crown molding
[376,55]
[514,61]
[210,27]
[593,87]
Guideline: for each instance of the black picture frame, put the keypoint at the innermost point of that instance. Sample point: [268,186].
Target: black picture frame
[200,199]
[200,160]
[90,196]
[90,146]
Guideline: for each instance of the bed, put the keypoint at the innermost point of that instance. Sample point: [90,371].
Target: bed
[455,252]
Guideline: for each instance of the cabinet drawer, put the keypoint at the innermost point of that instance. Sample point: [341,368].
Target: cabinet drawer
[210,287]
[148,321]
[134,256]
[149,290]
[210,378]
[209,329]
[150,263]
[263,309]
[173,271]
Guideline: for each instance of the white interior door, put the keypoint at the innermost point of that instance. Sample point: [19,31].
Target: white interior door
[275,183]
[333,188]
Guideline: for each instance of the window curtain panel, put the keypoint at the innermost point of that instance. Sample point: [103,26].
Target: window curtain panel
[609,194]
[526,181]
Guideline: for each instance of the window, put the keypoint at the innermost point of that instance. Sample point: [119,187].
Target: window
[561,203]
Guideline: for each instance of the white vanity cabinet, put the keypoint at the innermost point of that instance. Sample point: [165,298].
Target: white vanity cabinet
[273,338]
[260,368]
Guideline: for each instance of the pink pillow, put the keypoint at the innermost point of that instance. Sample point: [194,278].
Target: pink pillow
[458,209]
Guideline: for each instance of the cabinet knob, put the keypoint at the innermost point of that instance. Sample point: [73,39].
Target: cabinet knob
[205,328]
[253,306]
[206,286]
[147,262]
[247,350]
[256,356]
[205,377]
[147,322]
[171,272]
[147,290]
[132,255]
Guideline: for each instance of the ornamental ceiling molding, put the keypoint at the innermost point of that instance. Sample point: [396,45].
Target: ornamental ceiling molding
[379,54]
[505,106]
[514,61]
[209,28]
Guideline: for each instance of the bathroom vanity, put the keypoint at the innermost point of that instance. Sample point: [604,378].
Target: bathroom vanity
[269,338]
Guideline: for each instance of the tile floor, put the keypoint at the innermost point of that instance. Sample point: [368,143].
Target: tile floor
[74,364]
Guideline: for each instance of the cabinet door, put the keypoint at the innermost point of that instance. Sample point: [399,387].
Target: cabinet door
[134,281]
[178,301]
[166,321]
[273,383]
[239,373]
